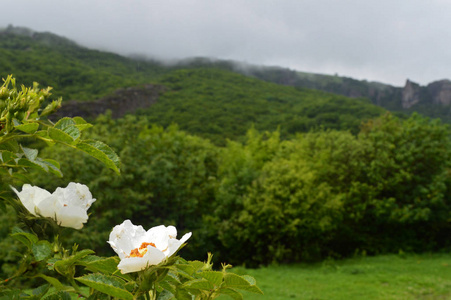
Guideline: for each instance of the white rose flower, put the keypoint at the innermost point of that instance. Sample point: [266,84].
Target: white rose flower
[67,206]
[139,249]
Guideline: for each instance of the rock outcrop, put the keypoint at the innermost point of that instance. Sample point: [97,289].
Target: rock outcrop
[123,101]
[410,94]
[440,92]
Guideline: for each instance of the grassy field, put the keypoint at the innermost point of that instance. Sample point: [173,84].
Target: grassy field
[381,277]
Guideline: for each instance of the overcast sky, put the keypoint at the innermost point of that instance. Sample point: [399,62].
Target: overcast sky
[377,40]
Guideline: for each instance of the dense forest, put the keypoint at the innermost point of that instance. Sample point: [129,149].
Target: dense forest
[259,172]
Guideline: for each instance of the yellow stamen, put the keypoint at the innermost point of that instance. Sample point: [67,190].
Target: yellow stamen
[142,250]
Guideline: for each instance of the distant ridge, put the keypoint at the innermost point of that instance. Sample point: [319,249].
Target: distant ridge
[79,73]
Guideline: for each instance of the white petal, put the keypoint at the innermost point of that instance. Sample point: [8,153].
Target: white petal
[185,237]
[135,264]
[30,196]
[73,217]
[126,237]
[175,244]
[75,194]
[160,235]
[48,207]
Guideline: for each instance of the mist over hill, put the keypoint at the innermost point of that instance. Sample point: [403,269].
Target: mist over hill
[79,73]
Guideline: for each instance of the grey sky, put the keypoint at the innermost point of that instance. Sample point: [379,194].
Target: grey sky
[377,40]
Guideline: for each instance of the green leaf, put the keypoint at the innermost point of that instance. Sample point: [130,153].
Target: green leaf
[230,292]
[41,250]
[187,270]
[53,166]
[102,152]
[68,126]
[104,265]
[63,265]
[64,123]
[106,284]
[40,291]
[56,283]
[31,154]
[7,156]
[51,108]
[197,265]
[238,282]
[201,284]
[25,238]
[166,295]
[59,295]
[214,277]
[183,295]
[60,136]
[28,127]
[10,145]
[81,124]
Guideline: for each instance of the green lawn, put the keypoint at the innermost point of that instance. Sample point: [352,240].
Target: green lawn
[381,277]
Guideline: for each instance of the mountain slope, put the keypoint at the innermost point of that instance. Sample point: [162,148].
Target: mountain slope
[212,102]
[74,72]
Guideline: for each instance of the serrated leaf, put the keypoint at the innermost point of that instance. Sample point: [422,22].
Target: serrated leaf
[30,154]
[41,250]
[28,127]
[82,127]
[68,126]
[60,136]
[59,295]
[238,282]
[7,156]
[64,123]
[231,292]
[106,284]
[53,166]
[104,265]
[166,295]
[214,277]
[40,291]
[102,152]
[10,145]
[183,295]
[201,284]
[197,265]
[79,120]
[39,163]
[81,123]
[188,270]
[62,265]
[250,279]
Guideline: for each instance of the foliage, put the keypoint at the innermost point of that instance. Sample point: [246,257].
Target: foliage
[321,193]
[331,193]
[167,177]
[218,104]
[54,271]
[74,71]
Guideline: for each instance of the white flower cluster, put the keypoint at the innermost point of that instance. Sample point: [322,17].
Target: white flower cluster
[67,206]
[136,247]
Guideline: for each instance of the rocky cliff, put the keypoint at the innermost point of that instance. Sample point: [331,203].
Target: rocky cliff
[435,93]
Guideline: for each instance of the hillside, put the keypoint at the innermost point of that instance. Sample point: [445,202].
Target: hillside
[211,102]
[78,73]
[73,71]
